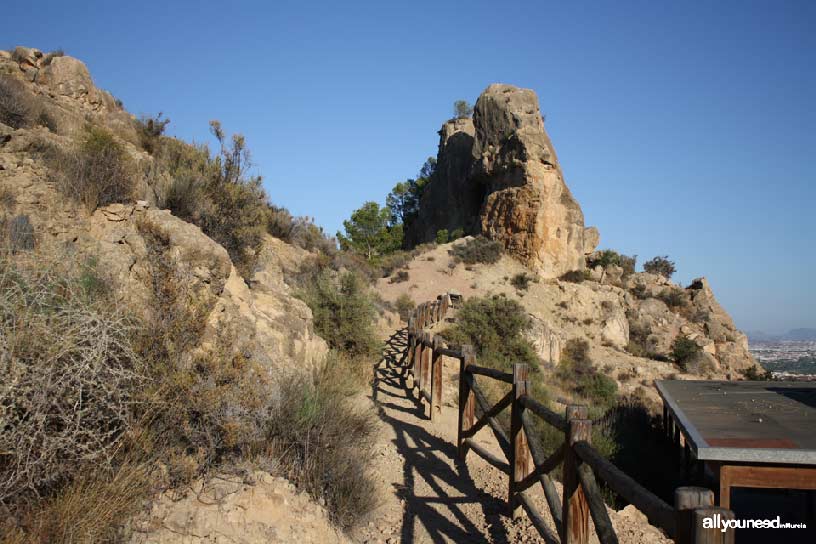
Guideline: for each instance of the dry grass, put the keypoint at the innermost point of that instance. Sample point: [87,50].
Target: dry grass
[18,107]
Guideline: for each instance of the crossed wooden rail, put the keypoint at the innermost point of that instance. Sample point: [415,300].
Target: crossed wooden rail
[525,461]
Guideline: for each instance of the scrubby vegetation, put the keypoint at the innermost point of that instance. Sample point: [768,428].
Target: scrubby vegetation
[405,306]
[660,265]
[684,350]
[577,374]
[97,172]
[575,276]
[477,250]
[462,109]
[522,280]
[343,312]
[675,298]
[494,326]
[608,257]
[98,397]
[17,105]
[442,236]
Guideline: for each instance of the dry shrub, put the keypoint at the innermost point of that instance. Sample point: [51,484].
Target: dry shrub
[97,172]
[322,437]
[478,250]
[18,107]
[69,369]
[16,234]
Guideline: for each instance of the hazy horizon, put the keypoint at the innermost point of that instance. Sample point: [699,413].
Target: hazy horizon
[682,129]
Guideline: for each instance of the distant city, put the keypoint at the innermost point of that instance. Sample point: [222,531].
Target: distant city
[789,354]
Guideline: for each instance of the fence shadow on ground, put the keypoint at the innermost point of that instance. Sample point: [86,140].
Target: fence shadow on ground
[430,463]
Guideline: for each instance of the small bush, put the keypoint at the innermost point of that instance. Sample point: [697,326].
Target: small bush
[17,234]
[321,438]
[442,236]
[18,107]
[683,350]
[609,257]
[405,306]
[576,372]
[674,298]
[576,353]
[640,291]
[478,250]
[456,234]
[343,313]
[575,276]
[46,61]
[401,276]
[150,130]
[757,373]
[494,326]
[521,281]
[661,266]
[97,172]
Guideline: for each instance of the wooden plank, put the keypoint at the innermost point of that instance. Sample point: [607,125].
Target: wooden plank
[477,448]
[686,499]
[541,469]
[520,461]
[575,511]
[467,401]
[426,368]
[597,507]
[454,353]
[491,373]
[659,513]
[544,413]
[803,477]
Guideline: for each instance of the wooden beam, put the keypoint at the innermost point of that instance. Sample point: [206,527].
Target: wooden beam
[597,507]
[467,401]
[436,379]
[493,412]
[764,477]
[491,373]
[477,448]
[540,459]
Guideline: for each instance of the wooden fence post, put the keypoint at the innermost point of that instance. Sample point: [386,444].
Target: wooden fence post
[519,450]
[467,400]
[575,509]
[693,505]
[426,366]
[436,379]
[409,355]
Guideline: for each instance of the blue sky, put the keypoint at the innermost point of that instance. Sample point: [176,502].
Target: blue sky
[683,128]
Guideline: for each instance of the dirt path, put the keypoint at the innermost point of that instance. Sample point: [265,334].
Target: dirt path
[428,495]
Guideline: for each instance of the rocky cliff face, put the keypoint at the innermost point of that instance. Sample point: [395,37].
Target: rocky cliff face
[498,175]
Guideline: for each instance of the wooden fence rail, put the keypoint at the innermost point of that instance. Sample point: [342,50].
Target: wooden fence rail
[525,461]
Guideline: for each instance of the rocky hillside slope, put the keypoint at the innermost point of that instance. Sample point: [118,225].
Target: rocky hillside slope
[266,318]
[498,175]
[627,322]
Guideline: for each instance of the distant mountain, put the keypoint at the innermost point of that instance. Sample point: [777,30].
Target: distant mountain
[793,335]
[801,335]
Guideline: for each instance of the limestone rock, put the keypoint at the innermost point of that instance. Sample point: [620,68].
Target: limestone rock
[259,509]
[498,175]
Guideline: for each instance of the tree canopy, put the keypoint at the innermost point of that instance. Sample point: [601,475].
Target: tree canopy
[370,231]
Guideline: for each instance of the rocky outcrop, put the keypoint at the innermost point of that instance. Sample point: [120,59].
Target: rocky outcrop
[498,175]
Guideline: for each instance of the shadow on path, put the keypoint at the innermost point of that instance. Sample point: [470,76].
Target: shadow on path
[437,488]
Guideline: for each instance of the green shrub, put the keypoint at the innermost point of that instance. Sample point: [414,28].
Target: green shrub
[456,234]
[521,281]
[757,373]
[477,250]
[442,236]
[401,276]
[683,350]
[320,437]
[494,326]
[610,257]
[661,266]
[97,172]
[343,312]
[405,306]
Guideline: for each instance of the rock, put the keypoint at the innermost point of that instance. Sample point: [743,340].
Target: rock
[498,175]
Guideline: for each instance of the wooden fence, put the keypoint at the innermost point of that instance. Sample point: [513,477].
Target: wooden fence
[525,461]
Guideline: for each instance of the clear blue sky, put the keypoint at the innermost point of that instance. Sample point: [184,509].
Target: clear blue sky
[683,128]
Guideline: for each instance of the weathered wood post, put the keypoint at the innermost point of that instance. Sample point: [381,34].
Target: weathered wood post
[436,379]
[426,366]
[520,465]
[467,400]
[409,354]
[693,506]
[446,302]
[575,509]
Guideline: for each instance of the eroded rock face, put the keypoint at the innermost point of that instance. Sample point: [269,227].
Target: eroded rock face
[498,175]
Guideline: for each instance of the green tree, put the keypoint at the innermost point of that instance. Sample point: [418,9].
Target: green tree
[462,109]
[369,231]
[660,265]
[442,236]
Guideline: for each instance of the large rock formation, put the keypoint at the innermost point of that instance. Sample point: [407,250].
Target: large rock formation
[498,175]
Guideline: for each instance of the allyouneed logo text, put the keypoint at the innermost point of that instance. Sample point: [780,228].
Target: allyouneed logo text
[717,522]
